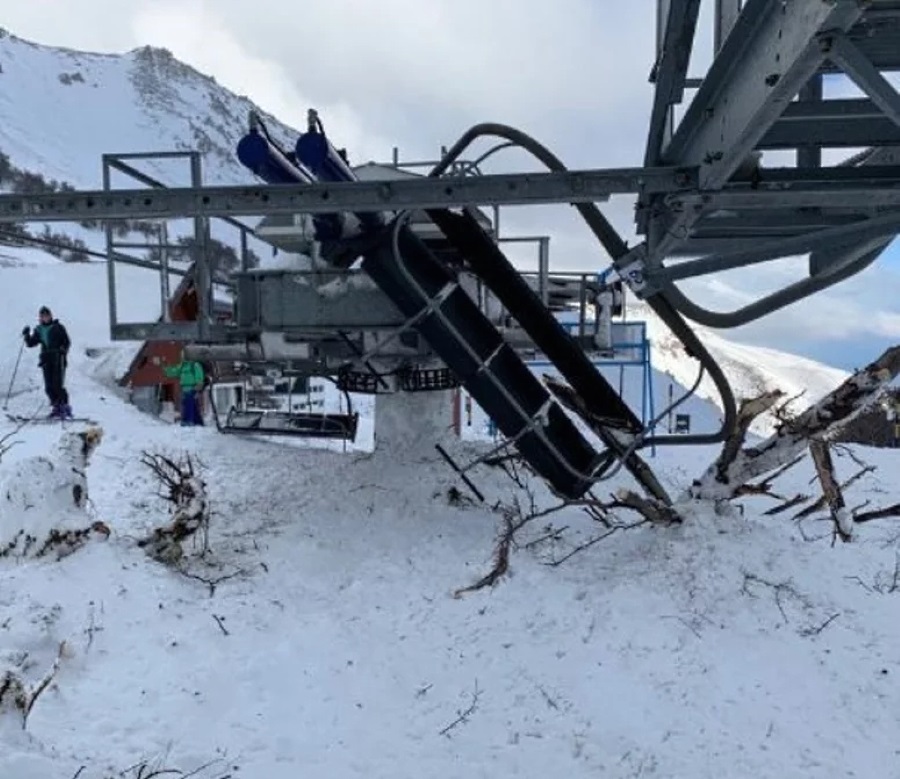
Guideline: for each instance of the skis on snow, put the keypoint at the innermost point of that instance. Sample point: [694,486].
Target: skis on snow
[23,420]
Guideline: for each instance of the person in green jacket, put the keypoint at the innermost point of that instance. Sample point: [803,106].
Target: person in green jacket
[191,378]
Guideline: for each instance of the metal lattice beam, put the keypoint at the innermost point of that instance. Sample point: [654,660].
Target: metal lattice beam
[850,122]
[843,235]
[670,71]
[867,77]
[772,52]
[509,189]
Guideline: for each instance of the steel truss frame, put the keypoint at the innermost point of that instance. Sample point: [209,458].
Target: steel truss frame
[762,92]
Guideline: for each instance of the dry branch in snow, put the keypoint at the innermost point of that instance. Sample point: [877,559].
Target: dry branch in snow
[17,697]
[182,486]
[728,474]
[831,490]
[157,770]
[821,501]
[462,715]
[750,409]
[8,441]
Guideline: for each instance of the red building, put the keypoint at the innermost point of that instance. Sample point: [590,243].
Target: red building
[145,377]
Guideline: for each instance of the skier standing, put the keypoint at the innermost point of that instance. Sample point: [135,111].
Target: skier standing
[54,342]
[191,379]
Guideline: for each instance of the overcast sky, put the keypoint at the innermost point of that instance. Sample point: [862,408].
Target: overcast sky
[417,73]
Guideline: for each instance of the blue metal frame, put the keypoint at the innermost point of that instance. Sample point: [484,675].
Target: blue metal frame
[644,361]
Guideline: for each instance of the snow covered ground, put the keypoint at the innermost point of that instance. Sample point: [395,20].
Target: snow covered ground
[728,647]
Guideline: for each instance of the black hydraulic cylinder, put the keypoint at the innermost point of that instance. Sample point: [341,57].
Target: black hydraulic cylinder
[466,340]
[490,264]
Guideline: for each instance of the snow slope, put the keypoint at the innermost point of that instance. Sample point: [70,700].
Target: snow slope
[752,370]
[729,647]
[145,100]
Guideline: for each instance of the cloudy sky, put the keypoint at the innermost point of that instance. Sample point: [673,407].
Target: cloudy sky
[417,73]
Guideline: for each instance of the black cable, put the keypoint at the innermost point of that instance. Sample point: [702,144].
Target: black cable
[51,244]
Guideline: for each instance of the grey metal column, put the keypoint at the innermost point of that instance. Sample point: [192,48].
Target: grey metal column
[544,268]
[202,280]
[810,155]
[110,258]
[726,15]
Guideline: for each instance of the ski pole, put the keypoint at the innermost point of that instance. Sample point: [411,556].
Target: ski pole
[13,379]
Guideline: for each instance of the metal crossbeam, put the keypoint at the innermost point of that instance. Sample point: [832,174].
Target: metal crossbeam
[862,198]
[867,229]
[852,122]
[580,186]
[855,64]
[773,51]
[825,261]
[669,73]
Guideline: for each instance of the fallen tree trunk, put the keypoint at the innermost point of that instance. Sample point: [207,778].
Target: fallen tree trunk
[831,490]
[724,479]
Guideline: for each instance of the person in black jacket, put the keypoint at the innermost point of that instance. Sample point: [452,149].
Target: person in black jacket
[54,342]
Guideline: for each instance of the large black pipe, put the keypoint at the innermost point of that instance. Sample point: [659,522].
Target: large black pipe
[466,340]
[489,263]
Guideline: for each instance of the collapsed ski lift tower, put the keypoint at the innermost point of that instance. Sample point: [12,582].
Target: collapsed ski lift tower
[707,202]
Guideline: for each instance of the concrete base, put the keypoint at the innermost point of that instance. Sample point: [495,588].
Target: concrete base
[413,422]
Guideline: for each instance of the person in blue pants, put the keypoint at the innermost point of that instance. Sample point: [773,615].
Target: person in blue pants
[191,378]
[54,341]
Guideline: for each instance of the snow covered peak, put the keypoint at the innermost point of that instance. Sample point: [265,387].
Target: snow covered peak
[752,370]
[61,110]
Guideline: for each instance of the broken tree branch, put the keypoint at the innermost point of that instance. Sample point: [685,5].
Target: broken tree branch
[820,502]
[831,490]
[462,716]
[723,479]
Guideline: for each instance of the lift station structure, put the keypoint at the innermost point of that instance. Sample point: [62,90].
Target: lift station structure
[427,309]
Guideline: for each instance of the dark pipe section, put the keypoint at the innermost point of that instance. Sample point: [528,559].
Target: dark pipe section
[490,264]
[465,339]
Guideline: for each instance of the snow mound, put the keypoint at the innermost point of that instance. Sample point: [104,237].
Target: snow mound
[43,500]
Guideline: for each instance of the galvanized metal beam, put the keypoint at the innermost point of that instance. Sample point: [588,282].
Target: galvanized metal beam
[726,14]
[842,235]
[171,331]
[679,25]
[777,222]
[860,198]
[773,50]
[829,259]
[580,186]
[115,161]
[852,123]
[867,77]
[811,94]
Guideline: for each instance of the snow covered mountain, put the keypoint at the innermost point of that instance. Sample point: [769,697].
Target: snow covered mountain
[752,370]
[63,109]
[146,100]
